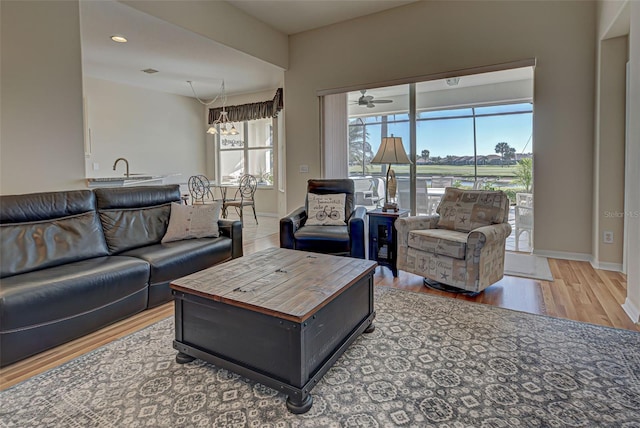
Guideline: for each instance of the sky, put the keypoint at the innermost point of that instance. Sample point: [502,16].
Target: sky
[455,136]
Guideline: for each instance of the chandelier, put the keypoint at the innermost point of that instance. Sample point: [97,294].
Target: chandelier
[223,120]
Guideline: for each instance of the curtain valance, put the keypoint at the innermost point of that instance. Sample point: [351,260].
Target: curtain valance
[251,111]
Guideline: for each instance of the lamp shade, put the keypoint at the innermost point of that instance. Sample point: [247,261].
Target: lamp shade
[391,151]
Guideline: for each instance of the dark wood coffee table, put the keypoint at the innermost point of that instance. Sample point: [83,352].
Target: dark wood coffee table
[281,317]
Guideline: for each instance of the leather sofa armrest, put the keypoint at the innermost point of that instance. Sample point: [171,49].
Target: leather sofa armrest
[232,229]
[404,225]
[356,232]
[288,226]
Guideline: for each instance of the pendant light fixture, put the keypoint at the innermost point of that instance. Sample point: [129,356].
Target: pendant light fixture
[223,120]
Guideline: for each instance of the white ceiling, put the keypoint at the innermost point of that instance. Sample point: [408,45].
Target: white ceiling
[524,73]
[180,55]
[295,16]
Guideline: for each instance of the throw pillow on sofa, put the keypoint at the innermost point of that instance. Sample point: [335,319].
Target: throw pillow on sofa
[326,210]
[193,221]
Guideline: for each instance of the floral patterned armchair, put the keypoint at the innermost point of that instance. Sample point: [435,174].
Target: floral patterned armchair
[463,245]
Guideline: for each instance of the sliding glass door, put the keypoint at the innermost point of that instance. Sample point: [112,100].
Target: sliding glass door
[474,132]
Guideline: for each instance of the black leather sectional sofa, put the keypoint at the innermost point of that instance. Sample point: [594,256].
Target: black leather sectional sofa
[75,261]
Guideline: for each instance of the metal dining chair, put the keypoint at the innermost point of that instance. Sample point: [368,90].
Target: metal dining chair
[200,189]
[244,197]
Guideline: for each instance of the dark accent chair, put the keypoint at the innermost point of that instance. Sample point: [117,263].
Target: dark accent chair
[347,240]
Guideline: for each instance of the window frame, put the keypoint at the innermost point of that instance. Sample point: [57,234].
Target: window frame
[246,149]
[384,122]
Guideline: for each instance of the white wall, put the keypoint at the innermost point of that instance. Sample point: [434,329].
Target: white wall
[609,152]
[632,303]
[439,36]
[223,23]
[158,133]
[41,138]
[622,18]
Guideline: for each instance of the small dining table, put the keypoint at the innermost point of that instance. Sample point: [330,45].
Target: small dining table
[224,188]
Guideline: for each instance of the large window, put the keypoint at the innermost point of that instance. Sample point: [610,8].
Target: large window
[469,143]
[248,152]
[476,143]
[365,135]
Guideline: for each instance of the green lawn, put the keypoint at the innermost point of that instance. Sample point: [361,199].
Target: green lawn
[454,170]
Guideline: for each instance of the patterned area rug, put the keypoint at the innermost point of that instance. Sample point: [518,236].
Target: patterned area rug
[431,361]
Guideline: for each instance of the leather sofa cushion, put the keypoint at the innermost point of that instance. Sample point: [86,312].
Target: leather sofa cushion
[108,198]
[439,241]
[137,216]
[125,229]
[173,260]
[60,292]
[45,206]
[328,239]
[41,244]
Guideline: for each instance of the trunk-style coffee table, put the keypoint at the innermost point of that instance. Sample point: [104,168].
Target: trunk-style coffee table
[281,317]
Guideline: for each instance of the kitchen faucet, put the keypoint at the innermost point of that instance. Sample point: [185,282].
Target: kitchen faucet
[126,163]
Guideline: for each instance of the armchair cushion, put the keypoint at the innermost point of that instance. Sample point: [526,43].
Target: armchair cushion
[440,241]
[465,210]
[326,209]
[333,239]
[297,233]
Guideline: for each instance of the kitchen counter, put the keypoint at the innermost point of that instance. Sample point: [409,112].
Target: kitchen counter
[122,181]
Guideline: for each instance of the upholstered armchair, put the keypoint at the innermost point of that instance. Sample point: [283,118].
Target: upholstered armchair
[328,222]
[462,246]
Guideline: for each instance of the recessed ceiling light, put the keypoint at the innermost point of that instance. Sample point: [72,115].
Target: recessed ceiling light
[119,39]
[149,70]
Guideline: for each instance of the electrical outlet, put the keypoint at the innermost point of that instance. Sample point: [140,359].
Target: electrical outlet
[96,166]
[608,237]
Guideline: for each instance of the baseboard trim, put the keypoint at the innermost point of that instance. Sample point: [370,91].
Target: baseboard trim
[616,267]
[260,214]
[564,255]
[632,310]
[581,257]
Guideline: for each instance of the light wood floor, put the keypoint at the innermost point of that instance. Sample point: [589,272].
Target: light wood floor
[578,292]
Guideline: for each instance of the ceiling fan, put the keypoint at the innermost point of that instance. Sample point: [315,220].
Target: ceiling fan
[369,101]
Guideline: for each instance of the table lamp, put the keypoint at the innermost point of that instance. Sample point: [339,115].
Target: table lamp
[391,151]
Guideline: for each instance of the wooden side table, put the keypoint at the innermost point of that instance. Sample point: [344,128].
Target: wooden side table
[383,241]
